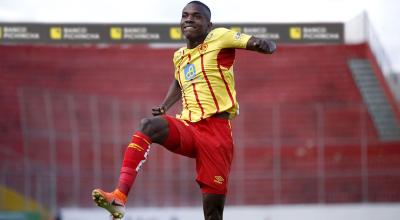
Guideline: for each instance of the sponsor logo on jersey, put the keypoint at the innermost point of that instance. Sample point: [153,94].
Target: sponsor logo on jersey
[190,72]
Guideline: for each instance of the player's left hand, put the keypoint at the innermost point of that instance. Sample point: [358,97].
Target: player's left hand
[266,46]
[261,45]
[159,110]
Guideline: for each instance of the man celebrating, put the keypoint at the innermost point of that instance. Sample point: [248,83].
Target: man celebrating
[204,82]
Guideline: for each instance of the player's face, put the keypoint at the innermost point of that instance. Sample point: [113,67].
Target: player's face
[194,22]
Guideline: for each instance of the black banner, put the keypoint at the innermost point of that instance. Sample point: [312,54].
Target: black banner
[29,33]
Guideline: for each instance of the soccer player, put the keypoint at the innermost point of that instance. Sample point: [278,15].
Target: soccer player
[204,82]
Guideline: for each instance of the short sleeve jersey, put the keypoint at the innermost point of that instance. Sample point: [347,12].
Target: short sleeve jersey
[205,75]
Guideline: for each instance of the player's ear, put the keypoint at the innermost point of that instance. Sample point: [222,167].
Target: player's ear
[209,26]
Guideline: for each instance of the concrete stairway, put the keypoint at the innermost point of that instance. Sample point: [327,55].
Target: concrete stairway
[374,97]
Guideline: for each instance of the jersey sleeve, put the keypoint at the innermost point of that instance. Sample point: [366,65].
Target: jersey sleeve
[232,39]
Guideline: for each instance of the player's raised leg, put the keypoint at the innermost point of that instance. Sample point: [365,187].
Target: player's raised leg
[150,130]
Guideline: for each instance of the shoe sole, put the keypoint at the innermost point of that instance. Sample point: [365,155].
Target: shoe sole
[102,202]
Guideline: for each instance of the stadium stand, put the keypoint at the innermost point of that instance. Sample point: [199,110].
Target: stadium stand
[304,134]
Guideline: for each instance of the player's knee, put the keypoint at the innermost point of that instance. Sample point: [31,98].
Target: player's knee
[146,126]
[152,127]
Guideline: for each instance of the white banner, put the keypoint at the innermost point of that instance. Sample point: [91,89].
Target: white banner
[289,212]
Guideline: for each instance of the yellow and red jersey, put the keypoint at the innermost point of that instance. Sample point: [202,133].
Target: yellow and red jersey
[205,75]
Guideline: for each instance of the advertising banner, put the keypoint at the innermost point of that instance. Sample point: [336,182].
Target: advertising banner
[36,33]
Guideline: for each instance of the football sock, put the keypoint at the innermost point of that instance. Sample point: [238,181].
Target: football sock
[134,157]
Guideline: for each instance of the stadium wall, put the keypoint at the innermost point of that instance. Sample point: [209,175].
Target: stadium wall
[298,212]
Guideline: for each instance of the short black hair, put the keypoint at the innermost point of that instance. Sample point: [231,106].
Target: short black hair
[204,6]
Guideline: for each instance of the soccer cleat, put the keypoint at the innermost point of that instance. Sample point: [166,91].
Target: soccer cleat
[110,202]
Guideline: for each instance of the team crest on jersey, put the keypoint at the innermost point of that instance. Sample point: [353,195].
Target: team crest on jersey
[203,48]
[190,72]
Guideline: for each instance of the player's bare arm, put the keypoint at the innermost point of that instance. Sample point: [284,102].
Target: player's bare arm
[173,95]
[261,45]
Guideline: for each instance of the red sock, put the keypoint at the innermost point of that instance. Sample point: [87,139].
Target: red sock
[135,156]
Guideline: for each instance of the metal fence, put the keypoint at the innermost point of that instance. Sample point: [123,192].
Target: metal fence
[73,143]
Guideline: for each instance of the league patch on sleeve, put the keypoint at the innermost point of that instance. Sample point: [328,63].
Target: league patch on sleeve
[238,36]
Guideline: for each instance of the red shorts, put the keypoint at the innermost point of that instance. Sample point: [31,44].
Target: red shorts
[210,142]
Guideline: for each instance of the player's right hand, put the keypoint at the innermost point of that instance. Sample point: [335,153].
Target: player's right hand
[159,110]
